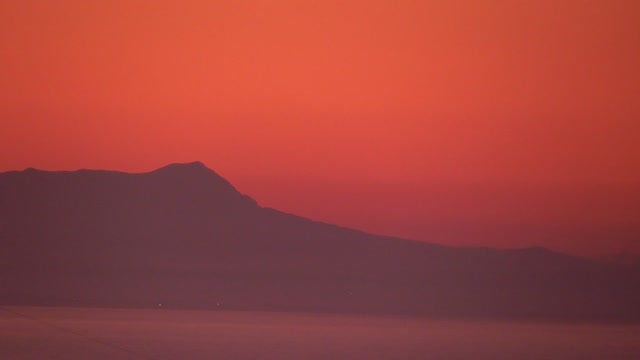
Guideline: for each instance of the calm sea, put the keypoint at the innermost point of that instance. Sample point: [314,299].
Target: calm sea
[83,333]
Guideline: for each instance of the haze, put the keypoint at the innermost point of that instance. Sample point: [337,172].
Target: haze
[433,120]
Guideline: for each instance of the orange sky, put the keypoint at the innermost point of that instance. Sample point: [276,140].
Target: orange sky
[371,99]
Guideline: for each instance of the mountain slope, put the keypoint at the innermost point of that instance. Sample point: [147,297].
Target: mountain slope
[185,237]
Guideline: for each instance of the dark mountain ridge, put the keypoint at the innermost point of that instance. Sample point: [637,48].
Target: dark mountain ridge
[184,237]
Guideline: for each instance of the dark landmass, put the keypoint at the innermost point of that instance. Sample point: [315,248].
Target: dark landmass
[184,237]
[623,258]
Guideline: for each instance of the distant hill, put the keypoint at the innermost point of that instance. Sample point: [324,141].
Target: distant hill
[182,236]
[624,258]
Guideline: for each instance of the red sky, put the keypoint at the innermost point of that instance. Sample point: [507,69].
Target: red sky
[436,120]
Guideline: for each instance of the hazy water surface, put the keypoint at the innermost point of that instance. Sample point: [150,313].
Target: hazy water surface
[81,333]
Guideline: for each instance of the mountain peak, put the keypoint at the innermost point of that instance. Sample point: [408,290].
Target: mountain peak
[195,165]
[191,169]
[195,177]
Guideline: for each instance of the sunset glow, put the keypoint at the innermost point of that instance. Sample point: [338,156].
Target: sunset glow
[430,120]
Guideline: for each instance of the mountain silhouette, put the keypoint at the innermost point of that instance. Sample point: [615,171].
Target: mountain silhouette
[183,236]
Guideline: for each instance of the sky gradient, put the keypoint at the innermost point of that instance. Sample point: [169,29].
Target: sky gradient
[479,122]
